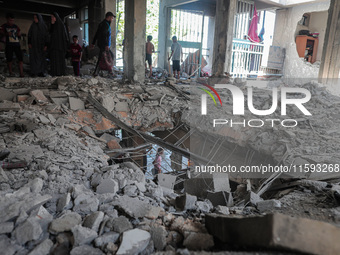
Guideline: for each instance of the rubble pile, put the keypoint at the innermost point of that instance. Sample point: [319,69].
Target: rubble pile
[59,194]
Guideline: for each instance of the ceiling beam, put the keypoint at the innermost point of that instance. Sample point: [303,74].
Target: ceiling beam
[61,3]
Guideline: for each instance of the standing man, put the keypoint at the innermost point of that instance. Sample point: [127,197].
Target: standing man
[177,56]
[12,33]
[150,48]
[103,38]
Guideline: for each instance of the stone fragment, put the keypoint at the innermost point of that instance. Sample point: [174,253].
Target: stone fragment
[276,231]
[7,247]
[9,106]
[122,107]
[93,220]
[109,237]
[28,231]
[83,235]
[107,186]
[252,198]
[64,202]
[85,204]
[65,223]
[198,241]
[76,104]
[204,206]
[153,213]
[222,209]
[185,202]
[39,96]
[43,248]
[6,95]
[6,227]
[134,241]
[132,206]
[86,250]
[220,198]
[121,224]
[44,120]
[158,235]
[130,190]
[268,205]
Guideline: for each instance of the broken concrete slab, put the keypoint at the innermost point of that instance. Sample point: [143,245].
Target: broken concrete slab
[64,202]
[86,250]
[107,186]
[60,100]
[28,231]
[9,106]
[134,242]
[186,202]
[6,227]
[65,223]
[268,205]
[158,235]
[43,248]
[39,96]
[103,240]
[121,224]
[6,95]
[276,231]
[93,220]
[83,235]
[220,198]
[132,206]
[7,247]
[122,107]
[76,104]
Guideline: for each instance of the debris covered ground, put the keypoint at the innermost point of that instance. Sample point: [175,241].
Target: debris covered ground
[67,198]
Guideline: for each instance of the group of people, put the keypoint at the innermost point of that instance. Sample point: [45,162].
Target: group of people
[54,42]
[176,55]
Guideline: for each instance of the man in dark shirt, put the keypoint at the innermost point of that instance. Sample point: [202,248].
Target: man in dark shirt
[103,38]
[12,33]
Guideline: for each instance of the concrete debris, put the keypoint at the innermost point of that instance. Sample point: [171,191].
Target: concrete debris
[134,242]
[83,235]
[73,198]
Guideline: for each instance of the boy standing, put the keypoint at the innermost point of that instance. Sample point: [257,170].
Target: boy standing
[12,33]
[177,56]
[150,48]
[76,52]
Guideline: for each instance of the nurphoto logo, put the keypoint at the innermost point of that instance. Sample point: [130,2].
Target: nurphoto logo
[239,105]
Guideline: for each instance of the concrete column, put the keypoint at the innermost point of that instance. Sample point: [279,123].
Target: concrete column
[134,44]
[223,40]
[330,62]
[110,6]
[210,43]
[96,15]
[176,161]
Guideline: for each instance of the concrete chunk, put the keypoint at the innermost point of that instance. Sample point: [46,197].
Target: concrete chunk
[276,231]
[186,202]
[6,227]
[86,250]
[39,96]
[93,220]
[76,104]
[107,186]
[101,241]
[268,205]
[65,222]
[132,206]
[28,231]
[121,224]
[83,235]
[43,248]
[134,242]
[198,241]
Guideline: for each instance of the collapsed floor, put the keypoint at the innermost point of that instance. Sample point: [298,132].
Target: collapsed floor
[68,199]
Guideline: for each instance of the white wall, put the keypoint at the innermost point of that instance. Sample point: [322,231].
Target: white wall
[284,36]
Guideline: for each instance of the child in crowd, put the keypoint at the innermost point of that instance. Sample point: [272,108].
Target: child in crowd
[76,53]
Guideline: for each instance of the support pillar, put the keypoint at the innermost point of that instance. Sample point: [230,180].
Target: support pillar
[96,15]
[110,6]
[330,62]
[223,40]
[134,41]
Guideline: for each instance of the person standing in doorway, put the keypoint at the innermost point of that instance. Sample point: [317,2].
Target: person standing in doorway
[103,39]
[76,53]
[59,45]
[177,56]
[37,44]
[150,48]
[12,34]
